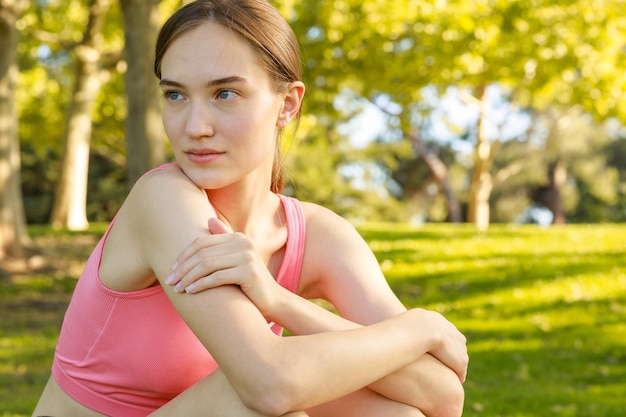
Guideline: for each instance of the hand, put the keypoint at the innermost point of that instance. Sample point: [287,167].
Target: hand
[224,258]
[450,344]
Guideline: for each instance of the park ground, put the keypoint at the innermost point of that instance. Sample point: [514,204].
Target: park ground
[544,310]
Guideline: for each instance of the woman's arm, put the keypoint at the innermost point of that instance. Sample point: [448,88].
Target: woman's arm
[425,384]
[351,279]
[226,258]
[271,374]
[212,396]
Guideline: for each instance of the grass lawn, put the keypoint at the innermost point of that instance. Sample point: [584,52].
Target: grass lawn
[544,311]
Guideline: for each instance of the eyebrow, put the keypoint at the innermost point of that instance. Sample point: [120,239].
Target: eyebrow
[220,81]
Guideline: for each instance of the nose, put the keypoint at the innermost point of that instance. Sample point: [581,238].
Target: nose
[199,121]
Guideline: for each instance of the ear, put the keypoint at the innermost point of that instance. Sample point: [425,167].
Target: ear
[291,104]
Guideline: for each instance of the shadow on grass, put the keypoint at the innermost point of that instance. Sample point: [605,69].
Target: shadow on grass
[544,311]
[544,381]
[574,368]
[32,305]
[32,312]
[463,276]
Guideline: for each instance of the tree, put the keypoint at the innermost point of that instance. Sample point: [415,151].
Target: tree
[13,235]
[538,53]
[616,154]
[580,181]
[69,209]
[48,59]
[440,172]
[144,135]
[382,53]
[566,168]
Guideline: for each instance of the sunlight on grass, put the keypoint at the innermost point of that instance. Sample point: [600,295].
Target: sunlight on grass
[544,310]
[31,310]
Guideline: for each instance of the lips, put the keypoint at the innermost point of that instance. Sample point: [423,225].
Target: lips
[203,156]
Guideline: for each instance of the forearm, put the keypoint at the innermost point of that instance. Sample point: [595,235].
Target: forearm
[426,383]
[303,317]
[214,393]
[275,375]
[346,361]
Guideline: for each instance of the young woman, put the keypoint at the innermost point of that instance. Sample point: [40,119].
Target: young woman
[206,256]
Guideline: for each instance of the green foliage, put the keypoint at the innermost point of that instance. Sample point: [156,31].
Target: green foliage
[543,310]
[49,33]
[575,139]
[542,53]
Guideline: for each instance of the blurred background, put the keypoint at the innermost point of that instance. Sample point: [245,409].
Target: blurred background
[416,111]
[436,127]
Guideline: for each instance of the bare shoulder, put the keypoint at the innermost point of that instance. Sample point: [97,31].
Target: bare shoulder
[157,203]
[340,267]
[161,182]
[330,235]
[161,196]
[319,219]
[331,241]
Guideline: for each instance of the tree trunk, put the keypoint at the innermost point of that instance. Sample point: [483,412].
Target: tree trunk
[440,173]
[69,208]
[557,178]
[144,133]
[481,182]
[14,238]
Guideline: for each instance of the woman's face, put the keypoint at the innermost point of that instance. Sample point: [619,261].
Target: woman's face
[219,111]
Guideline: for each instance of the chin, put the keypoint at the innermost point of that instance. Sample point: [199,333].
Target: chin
[200,177]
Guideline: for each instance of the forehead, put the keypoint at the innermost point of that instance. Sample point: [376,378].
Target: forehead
[210,50]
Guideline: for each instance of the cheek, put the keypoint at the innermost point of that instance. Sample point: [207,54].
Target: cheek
[244,127]
[172,126]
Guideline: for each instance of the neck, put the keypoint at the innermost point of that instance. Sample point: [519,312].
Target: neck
[243,211]
[247,204]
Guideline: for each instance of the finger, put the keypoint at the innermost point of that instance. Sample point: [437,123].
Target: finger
[464,356]
[199,244]
[198,269]
[214,280]
[455,357]
[194,269]
[209,254]
[462,362]
[465,367]
[182,264]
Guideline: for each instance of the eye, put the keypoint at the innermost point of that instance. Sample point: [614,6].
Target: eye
[172,95]
[226,94]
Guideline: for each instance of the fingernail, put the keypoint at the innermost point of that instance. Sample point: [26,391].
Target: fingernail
[170,279]
[174,265]
[190,288]
[179,287]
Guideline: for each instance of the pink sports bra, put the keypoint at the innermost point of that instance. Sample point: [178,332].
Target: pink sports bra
[128,353]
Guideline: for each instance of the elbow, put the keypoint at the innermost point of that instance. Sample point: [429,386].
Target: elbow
[266,403]
[453,404]
[273,394]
